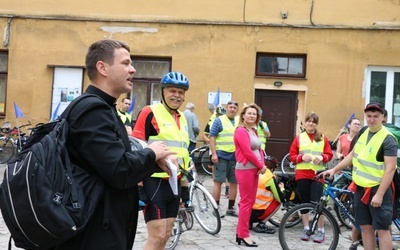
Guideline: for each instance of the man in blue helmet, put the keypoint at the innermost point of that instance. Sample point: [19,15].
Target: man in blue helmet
[164,122]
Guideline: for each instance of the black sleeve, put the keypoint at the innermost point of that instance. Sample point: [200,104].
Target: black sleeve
[97,143]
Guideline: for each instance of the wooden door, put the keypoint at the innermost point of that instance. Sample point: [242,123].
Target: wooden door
[279,111]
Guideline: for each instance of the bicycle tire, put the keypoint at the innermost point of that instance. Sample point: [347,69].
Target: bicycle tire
[205,210]
[205,162]
[287,167]
[347,200]
[188,221]
[289,236]
[276,219]
[175,233]
[7,150]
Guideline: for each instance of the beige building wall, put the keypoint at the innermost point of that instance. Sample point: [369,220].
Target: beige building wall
[213,42]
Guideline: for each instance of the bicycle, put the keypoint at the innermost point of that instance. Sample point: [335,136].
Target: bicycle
[8,145]
[287,167]
[316,210]
[201,206]
[201,157]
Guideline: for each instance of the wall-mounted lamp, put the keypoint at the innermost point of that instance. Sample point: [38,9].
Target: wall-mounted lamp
[278,84]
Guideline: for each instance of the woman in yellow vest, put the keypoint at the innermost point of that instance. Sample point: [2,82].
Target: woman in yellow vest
[310,151]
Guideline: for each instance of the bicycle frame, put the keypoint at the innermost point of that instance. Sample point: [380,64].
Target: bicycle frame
[330,191]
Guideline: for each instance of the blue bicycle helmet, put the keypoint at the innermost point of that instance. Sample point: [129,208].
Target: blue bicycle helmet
[175,79]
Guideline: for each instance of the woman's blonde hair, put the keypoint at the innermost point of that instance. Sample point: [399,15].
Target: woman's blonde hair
[243,111]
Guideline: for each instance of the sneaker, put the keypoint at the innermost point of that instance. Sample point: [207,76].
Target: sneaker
[262,228]
[320,237]
[231,212]
[354,245]
[304,236]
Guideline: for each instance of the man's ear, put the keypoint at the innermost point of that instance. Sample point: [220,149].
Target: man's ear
[102,68]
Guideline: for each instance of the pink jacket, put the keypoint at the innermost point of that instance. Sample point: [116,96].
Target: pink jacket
[243,152]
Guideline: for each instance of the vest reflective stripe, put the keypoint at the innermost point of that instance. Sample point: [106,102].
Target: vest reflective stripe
[123,117]
[224,140]
[176,139]
[264,197]
[261,135]
[367,171]
[312,148]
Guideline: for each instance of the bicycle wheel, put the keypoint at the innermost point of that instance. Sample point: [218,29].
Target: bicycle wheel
[347,200]
[188,219]
[175,234]
[205,162]
[276,219]
[206,210]
[289,237]
[7,150]
[287,167]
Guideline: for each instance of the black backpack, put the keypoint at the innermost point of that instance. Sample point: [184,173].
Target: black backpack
[44,198]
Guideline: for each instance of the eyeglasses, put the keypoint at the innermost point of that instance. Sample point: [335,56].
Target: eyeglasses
[234,103]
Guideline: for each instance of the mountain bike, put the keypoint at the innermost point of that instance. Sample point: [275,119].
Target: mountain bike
[289,236]
[11,141]
[201,206]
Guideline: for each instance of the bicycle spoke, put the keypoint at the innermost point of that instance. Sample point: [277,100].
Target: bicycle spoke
[205,213]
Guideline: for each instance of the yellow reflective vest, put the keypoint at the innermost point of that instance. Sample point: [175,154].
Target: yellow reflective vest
[261,135]
[264,197]
[367,171]
[124,116]
[224,140]
[176,139]
[313,148]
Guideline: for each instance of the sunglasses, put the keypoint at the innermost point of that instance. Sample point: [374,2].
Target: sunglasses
[234,103]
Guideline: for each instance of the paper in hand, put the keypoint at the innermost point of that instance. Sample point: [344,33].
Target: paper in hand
[173,179]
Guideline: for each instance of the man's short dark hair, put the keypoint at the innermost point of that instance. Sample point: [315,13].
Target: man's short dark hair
[103,50]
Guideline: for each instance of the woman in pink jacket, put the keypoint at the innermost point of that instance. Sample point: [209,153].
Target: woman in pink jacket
[249,164]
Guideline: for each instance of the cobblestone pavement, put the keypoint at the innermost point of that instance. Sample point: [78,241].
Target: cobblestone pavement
[197,238]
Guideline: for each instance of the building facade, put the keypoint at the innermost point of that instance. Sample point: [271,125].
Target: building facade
[291,57]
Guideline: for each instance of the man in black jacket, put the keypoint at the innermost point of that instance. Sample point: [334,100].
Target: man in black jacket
[98,142]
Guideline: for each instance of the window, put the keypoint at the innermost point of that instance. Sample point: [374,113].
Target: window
[281,65]
[3,82]
[146,81]
[383,86]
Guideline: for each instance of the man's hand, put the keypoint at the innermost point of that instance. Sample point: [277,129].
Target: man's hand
[262,170]
[307,158]
[160,149]
[327,174]
[317,160]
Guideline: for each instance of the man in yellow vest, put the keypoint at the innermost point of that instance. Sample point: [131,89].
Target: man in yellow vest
[125,117]
[374,164]
[263,132]
[164,122]
[223,155]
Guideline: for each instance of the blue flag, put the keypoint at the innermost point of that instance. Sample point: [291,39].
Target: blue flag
[348,120]
[55,113]
[132,106]
[18,112]
[217,99]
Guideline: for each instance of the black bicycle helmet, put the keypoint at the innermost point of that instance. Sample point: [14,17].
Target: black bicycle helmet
[175,79]
[271,162]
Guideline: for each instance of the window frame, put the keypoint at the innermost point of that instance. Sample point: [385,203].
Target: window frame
[281,55]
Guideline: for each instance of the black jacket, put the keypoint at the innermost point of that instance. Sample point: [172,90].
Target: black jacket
[98,142]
